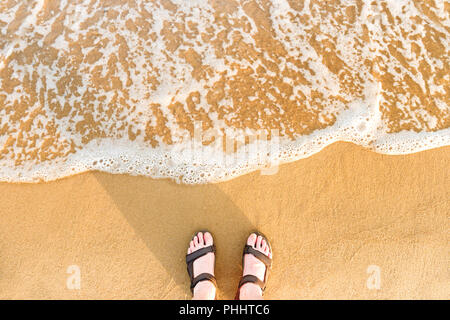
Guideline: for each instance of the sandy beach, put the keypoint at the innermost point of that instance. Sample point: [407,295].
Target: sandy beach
[106,105]
[329,218]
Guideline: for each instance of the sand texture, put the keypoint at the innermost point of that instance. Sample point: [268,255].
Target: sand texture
[329,218]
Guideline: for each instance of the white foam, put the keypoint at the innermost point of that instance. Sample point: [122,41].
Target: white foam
[359,120]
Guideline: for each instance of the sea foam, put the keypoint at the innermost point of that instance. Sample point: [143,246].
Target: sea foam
[203,91]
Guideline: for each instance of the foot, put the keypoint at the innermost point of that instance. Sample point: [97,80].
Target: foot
[204,290]
[253,266]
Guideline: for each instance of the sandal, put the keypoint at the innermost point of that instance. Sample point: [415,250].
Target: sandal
[190,258]
[261,257]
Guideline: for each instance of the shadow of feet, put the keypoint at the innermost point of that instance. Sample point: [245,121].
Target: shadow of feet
[166,215]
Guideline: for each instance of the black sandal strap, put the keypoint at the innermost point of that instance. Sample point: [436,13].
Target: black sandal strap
[203,277]
[198,253]
[259,255]
[190,258]
[252,279]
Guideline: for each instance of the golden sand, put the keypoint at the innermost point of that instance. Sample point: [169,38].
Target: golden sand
[329,218]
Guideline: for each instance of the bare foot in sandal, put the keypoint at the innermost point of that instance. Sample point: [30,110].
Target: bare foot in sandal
[255,267]
[205,288]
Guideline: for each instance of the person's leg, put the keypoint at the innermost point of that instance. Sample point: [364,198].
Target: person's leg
[254,266]
[204,290]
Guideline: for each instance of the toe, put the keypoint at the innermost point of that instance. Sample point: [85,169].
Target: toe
[196,241]
[263,245]
[191,246]
[258,242]
[251,240]
[208,239]
[200,239]
[188,250]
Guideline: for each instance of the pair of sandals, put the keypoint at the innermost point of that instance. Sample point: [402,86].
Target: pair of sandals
[190,258]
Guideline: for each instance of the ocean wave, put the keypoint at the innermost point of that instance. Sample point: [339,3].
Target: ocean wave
[203,91]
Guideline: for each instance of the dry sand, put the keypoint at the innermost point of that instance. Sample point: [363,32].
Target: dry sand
[329,217]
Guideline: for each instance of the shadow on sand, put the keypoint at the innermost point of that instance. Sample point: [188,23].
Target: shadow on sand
[166,224]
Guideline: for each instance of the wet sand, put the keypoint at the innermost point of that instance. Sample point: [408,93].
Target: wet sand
[329,218]
[78,79]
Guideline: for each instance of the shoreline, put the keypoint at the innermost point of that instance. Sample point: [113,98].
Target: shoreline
[165,162]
